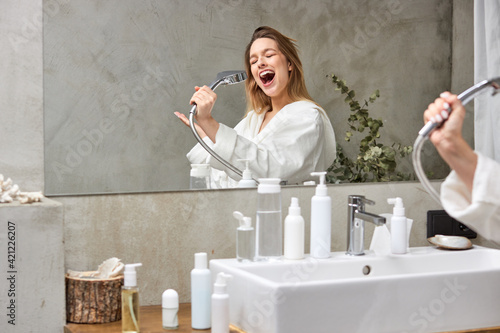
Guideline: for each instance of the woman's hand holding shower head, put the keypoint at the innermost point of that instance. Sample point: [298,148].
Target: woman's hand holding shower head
[447,137]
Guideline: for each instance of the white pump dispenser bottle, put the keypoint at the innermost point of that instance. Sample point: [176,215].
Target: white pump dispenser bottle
[294,232]
[130,300]
[220,304]
[399,238]
[246,180]
[321,220]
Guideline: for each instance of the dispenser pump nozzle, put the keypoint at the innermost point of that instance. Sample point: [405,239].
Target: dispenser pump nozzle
[321,189]
[399,209]
[130,275]
[247,174]
[221,283]
[245,222]
[294,208]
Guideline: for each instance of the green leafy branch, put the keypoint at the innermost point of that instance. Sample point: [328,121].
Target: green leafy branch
[375,162]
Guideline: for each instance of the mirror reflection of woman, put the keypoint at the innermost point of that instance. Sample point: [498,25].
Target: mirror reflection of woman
[284,134]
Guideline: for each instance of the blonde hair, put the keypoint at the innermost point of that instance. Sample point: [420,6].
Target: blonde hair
[257,100]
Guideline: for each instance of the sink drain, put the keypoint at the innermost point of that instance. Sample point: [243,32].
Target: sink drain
[366,270]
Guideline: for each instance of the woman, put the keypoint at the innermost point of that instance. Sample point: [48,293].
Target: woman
[471,193]
[284,133]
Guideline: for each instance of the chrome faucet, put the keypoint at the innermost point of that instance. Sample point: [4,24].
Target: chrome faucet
[356,217]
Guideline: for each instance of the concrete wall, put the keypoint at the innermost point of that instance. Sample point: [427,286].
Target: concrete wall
[21,93]
[32,267]
[462,70]
[163,230]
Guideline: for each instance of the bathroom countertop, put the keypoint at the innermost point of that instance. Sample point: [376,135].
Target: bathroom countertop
[151,323]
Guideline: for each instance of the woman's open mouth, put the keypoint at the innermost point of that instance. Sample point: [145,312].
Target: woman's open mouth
[266,77]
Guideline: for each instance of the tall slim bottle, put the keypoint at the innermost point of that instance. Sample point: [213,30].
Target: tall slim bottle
[269,231]
[201,293]
[130,300]
[321,220]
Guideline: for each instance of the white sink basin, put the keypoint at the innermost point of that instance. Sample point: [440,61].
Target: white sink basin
[426,290]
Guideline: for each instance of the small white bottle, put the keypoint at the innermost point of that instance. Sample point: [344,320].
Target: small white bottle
[130,300]
[399,237]
[294,232]
[247,180]
[321,220]
[220,304]
[245,238]
[170,309]
[201,291]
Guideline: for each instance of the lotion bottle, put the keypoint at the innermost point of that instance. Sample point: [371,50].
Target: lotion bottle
[321,220]
[399,237]
[201,290]
[245,238]
[130,300]
[246,180]
[294,232]
[220,304]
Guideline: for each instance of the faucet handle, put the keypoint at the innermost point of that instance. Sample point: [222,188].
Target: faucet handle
[359,200]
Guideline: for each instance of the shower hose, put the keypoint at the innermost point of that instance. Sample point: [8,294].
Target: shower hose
[424,133]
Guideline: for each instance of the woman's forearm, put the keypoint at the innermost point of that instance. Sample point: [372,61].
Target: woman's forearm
[210,126]
[461,158]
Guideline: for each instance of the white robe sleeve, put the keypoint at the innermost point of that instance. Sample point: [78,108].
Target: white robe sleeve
[198,154]
[479,210]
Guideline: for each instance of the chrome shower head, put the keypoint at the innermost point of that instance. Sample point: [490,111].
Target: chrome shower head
[476,89]
[465,97]
[228,77]
[223,78]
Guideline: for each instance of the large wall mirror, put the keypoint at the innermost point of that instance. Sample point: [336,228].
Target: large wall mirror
[116,70]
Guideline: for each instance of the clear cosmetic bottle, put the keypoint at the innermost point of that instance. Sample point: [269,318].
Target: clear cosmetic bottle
[269,230]
[245,238]
[199,177]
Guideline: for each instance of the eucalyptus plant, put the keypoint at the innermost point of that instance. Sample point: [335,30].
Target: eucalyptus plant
[375,162]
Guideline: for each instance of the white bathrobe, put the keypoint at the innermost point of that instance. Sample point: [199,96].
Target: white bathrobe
[298,140]
[479,210]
